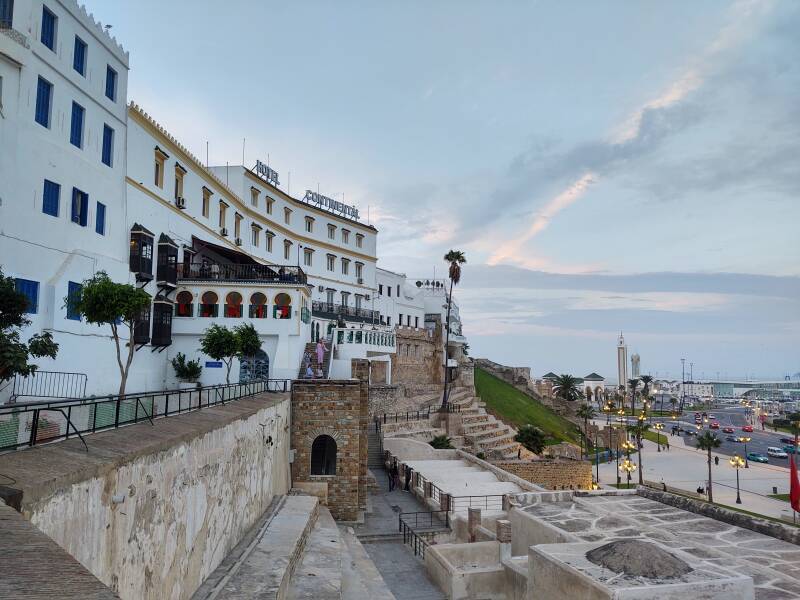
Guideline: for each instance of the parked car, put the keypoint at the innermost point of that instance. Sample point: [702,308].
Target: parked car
[776,452]
[748,428]
[787,440]
[714,425]
[757,457]
[791,449]
[728,430]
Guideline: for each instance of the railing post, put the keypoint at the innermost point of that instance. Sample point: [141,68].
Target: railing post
[69,420]
[116,412]
[34,427]
[94,418]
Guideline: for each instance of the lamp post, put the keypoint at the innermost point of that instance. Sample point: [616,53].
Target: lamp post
[737,462]
[658,427]
[629,467]
[744,439]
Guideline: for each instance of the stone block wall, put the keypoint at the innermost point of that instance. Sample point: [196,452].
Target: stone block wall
[382,399]
[553,474]
[418,359]
[340,409]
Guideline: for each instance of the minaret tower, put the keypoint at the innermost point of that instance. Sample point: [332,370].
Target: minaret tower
[622,362]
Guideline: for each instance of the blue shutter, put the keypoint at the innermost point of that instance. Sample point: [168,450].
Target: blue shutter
[31,291]
[79,56]
[6,14]
[43,93]
[111,83]
[73,289]
[48,29]
[100,222]
[50,198]
[76,128]
[108,144]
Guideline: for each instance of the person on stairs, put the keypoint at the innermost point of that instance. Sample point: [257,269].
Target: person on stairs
[321,350]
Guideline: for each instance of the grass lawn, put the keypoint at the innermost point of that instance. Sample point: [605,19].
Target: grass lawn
[624,486]
[784,497]
[517,409]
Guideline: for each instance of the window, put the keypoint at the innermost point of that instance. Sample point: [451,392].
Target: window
[310,224]
[80,207]
[254,196]
[222,210]
[416,321]
[258,306]
[345,298]
[329,297]
[345,236]
[287,215]
[237,225]
[31,291]
[208,305]
[49,28]
[360,240]
[206,201]
[76,126]
[308,257]
[44,101]
[282,308]
[398,290]
[269,237]
[111,83]
[389,291]
[100,219]
[380,289]
[358,302]
[323,456]
[108,145]
[359,270]
[50,198]
[233,305]
[6,14]
[345,266]
[73,293]
[408,320]
[161,156]
[287,249]
[331,232]
[388,320]
[179,173]
[331,260]
[255,231]
[183,304]
[400,319]
[270,202]
[79,56]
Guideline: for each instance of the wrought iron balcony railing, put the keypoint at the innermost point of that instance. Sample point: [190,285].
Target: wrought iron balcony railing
[288,274]
[329,310]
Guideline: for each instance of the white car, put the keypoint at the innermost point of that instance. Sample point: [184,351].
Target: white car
[776,452]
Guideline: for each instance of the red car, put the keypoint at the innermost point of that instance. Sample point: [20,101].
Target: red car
[727,429]
[748,428]
[714,425]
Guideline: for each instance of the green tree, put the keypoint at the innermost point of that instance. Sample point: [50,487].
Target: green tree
[586,412]
[633,384]
[647,381]
[566,388]
[455,258]
[532,438]
[708,441]
[221,343]
[102,301]
[248,341]
[441,442]
[15,355]
[638,431]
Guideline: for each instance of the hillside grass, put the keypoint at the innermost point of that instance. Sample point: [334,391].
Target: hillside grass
[517,409]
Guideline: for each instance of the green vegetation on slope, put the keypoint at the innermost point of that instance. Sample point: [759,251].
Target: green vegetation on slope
[517,409]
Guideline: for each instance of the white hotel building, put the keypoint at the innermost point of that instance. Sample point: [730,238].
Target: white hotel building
[89,183]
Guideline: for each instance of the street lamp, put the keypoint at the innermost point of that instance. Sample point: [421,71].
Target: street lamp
[658,427]
[744,439]
[737,462]
[629,467]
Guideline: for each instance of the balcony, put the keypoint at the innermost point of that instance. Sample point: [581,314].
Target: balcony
[227,272]
[329,310]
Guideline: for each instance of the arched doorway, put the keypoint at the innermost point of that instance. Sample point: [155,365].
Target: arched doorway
[323,456]
[253,368]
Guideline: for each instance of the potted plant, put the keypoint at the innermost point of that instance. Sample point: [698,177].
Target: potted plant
[187,371]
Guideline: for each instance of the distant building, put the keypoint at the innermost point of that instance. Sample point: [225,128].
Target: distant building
[635,366]
[622,362]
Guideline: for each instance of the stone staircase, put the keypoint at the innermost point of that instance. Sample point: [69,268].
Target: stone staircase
[375,453]
[311,348]
[482,431]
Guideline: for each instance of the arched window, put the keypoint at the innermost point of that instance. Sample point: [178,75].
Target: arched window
[323,456]
[183,304]
[233,305]
[208,304]
[258,306]
[282,308]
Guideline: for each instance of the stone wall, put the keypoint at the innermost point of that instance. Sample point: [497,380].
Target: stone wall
[382,399]
[418,359]
[552,474]
[340,409]
[151,510]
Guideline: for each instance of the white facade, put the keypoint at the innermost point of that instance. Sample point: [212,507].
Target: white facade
[398,300]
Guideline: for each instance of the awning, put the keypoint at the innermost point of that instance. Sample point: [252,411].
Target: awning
[230,254]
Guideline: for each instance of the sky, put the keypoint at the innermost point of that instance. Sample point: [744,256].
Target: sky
[605,166]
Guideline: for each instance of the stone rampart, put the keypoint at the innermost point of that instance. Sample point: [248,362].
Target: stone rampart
[552,474]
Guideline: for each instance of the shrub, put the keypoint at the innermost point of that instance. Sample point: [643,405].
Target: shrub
[532,438]
[186,370]
[441,442]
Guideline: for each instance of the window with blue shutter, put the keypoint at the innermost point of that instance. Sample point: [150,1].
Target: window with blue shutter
[108,145]
[44,93]
[31,291]
[50,198]
[111,83]
[73,291]
[76,128]
[80,207]
[49,23]
[100,220]
[79,56]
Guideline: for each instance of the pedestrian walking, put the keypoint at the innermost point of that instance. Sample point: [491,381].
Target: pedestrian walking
[321,349]
[408,480]
[392,477]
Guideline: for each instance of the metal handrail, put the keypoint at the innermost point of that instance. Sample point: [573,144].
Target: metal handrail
[50,384]
[242,272]
[89,415]
[413,536]
[412,415]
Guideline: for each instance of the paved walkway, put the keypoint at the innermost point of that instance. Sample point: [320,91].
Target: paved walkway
[685,467]
[404,573]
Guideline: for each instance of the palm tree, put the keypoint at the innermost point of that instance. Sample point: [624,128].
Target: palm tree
[456,258]
[586,412]
[673,401]
[566,388]
[633,383]
[638,432]
[708,441]
[646,381]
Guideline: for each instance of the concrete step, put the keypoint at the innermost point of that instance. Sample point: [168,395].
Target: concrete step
[319,573]
[361,579]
